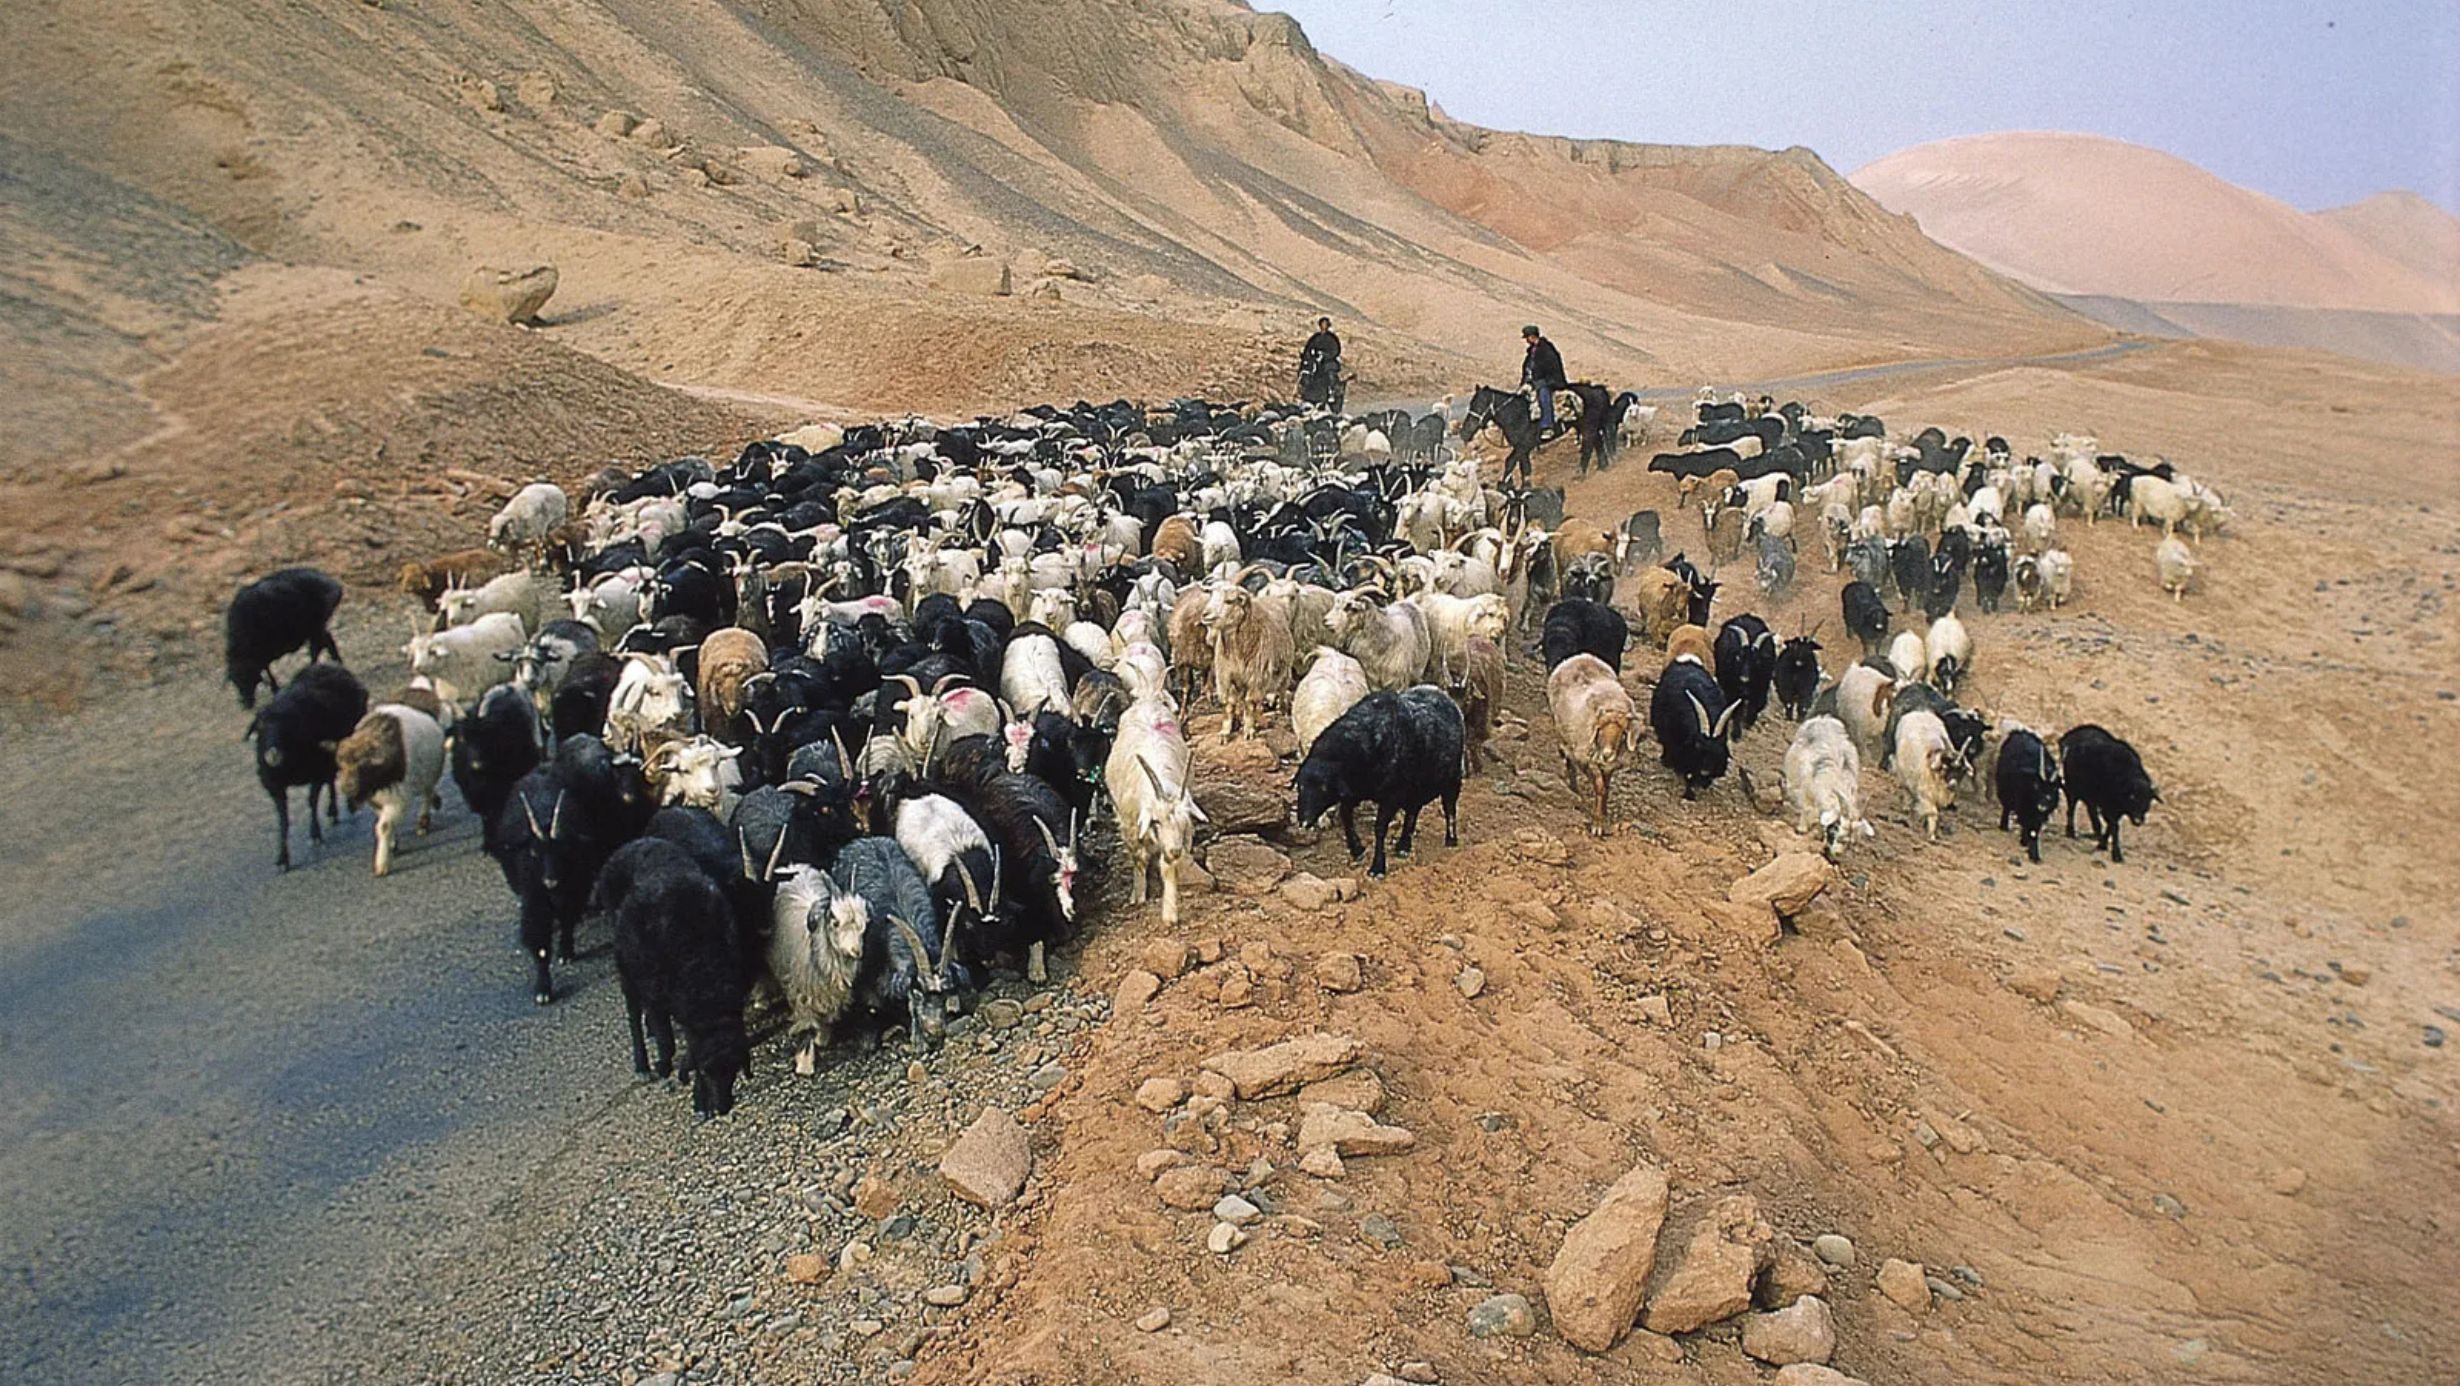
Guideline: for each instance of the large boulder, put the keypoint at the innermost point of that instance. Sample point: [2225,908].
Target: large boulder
[508,295]
[1283,1067]
[1785,885]
[1244,866]
[1711,1280]
[1239,804]
[1599,1277]
[970,274]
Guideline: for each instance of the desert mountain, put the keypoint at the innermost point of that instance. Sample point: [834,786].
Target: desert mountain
[2148,241]
[755,198]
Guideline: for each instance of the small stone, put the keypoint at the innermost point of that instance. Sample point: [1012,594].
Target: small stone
[866,1328]
[1047,1077]
[1245,866]
[1358,1090]
[807,1268]
[2109,1022]
[1351,1133]
[1472,981]
[1153,1162]
[1135,989]
[2169,1206]
[1419,1373]
[1281,1068]
[1339,972]
[1655,1010]
[615,125]
[1712,1278]
[1813,1374]
[1308,892]
[2354,975]
[988,1163]
[1191,1188]
[2434,1037]
[1236,1211]
[1428,1275]
[1785,885]
[1944,1289]
[1215,1086]
[1153,1320]
[874,1197]
[508,295]
[1905,1285]
[945,1296]
[1160,1094]
[1834,1249]
[2289,1182]
[916,1074]
[854,1254]
[1381,1230]
[1224,1239]
[1165,958]
[1001,1014]
[1505,1315]
[1804,1331]
[1794,1274]
[1238,990]
[1323,1162]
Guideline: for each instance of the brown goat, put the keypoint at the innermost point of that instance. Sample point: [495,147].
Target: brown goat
[1689,639]
[429,579]
[1481,696]
[1660,601]
[1178,542]
[728,660]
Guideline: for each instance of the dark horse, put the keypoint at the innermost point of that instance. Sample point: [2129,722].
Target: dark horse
[1507,410]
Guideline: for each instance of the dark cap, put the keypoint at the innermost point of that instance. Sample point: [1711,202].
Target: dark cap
[1529,331]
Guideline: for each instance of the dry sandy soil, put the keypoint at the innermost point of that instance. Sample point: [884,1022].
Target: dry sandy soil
[2181,1118]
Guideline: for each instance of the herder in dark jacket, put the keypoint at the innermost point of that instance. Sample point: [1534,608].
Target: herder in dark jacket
[1541,368]
[1319,367]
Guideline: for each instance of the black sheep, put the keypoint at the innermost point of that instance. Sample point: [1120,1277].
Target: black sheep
[1401,750]
[1989,574]
[295,733]
[1746,653]
[1692,722]
[1946,579]
[493,748]
[1797,676]
[1578,626]
[558,826]
[272,616]
[1909,561]
[2105,775]
[2028,786]
[680,962]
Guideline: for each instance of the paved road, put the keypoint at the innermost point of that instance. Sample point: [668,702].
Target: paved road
[235,1106]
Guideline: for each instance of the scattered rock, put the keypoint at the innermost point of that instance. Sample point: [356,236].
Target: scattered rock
[797,252]
[1165,958]
[1540,846]
[873,1197]
[1309,892]
[1214,1086]
[479,94]
[988,1163]
[1238,988]
[1339,972]
[1245,866]
[1351,1133]
[1428,1275]
[1001,1013]
[2168,1205]
[2108,1022]
[1472,981]
[1191,1188]
[1160,1094]
[651,131]
[1281,1068]
[1656,1345]
[1784,885]
[1239,804]
[1601,1273]
[1655,1010]
[1947,1290]
[775,162]
[1420,1373]
[1813,1374]
[1505,1316]
[1153,1162]
[2288,1182]
[615,125]
[1224,1239]
[1794,1274]
[971,274]
[1135,989]
[1358,1090]
[1153,1320]
[1904,1285]
[1803,1331]
[1323,1162]
[1381,1230]
[1962,1139]
[1236,1211]
[945,1296]
[1712,1279]
[1833,1248]
[632,187]
[807,1268]
[508,295]
[2036,983]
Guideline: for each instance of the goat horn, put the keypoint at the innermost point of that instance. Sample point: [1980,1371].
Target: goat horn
[743,844]
[944,680]
[769,873]
[845,763]
[555,817]
[998,865]
[532,815]
[913,941]
[1047,840]
[973,892]
[1702,709]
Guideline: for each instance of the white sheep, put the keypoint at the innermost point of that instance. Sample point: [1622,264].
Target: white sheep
[1147,779]
[1452,622]
[1928,766]
[394,758]
[527,595]
[1389,639]
[1596,726]
[1948,651]
[2058,576]
[815,952]
[1862,697]
[466,661]
[1332,685]
[1909,657]
[523,525]
[2041,525]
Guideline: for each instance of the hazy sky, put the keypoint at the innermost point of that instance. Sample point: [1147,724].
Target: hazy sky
[2315,103]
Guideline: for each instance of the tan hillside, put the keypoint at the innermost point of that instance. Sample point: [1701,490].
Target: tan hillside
[2080,214]
[2407,228]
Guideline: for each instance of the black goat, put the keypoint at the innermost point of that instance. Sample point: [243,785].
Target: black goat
[2028,785]
[493,748]
[1866,615]
[680,961]
[295,733]
[1693,723]
[2105,775]
[272,616]
[1746,652]
[1579,626]
[1401,750]
[1797,676]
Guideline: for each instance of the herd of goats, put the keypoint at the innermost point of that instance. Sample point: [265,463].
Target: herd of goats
[838,716]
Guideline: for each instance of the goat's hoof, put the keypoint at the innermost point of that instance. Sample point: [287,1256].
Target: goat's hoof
[544,998]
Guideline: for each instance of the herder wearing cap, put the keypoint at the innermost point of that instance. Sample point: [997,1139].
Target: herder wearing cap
[1541,369]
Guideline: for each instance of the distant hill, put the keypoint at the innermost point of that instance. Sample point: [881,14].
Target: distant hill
[2130,235]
